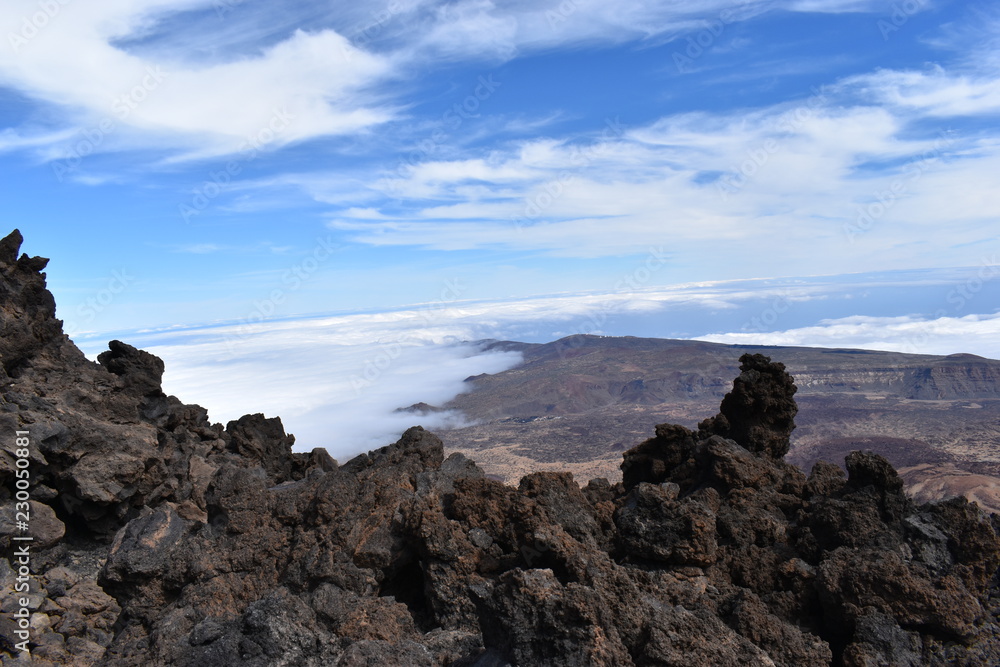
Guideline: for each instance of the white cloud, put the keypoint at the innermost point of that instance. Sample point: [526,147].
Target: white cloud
[181,74]
[212,248]
[336,382]
[851,168]
[308,85]
[934,92]
[840,6]
[478,28]
[331,394]
[759,190]
[11,139]
[465,170]
[791,166]
[201,248]
[977,334]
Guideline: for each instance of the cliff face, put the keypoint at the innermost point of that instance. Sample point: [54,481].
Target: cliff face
[164,539]
[958,375]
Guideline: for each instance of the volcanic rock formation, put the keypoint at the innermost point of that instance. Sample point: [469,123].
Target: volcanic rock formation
[164,539]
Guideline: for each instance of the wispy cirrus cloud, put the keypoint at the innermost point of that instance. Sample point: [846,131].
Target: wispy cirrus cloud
[853,166]
[935,92]
[212,248]
[196,78]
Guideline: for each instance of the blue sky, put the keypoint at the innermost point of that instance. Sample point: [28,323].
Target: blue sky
[808,171]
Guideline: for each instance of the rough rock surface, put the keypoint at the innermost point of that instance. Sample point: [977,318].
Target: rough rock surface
[164,539]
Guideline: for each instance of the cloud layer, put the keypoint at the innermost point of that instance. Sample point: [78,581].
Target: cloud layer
[910,335]
[338,381]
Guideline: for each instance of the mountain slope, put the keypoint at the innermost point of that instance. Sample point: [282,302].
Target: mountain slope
[577,403]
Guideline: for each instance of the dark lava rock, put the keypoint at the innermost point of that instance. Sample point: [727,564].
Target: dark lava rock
[165,539]
[759,413]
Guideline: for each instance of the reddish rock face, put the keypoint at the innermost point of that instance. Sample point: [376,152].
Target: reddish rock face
[190,543]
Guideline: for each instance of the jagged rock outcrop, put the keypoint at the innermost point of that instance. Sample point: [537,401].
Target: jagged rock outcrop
[759,412]
[190,543]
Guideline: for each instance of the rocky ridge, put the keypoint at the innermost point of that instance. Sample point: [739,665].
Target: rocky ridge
[164,539]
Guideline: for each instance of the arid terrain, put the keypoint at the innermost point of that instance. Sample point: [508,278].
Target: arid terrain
[576,404]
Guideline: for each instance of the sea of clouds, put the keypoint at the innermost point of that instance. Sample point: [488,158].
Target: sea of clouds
[341,381]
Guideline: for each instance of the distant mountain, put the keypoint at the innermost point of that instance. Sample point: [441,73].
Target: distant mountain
[580,401]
